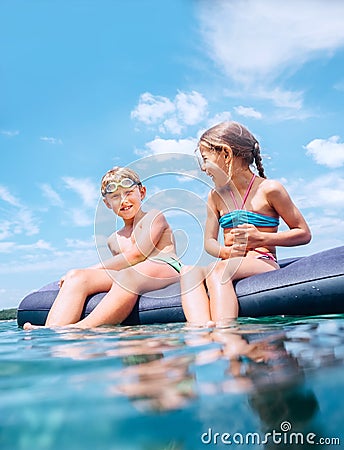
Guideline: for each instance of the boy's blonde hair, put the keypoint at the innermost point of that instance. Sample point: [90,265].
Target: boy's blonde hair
[117,174]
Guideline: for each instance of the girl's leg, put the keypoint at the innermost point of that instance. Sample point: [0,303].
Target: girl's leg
[223,299]
[127,285]
[78,284]
[195,300]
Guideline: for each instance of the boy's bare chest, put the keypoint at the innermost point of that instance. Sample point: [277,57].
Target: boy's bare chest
[121,242]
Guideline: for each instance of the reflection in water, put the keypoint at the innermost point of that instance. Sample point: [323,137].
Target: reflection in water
[170,384]
[163,370]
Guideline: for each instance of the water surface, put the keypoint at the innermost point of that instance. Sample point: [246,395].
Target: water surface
[174,386]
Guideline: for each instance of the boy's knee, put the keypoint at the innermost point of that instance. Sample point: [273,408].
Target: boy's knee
[76,275]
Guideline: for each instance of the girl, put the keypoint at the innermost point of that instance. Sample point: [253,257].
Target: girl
[143,259]
[247,207]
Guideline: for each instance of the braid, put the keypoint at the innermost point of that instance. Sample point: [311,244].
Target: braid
[258,160]
[239,139]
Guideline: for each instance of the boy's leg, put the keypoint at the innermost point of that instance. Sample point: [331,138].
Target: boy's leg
[78,284]
[127,285]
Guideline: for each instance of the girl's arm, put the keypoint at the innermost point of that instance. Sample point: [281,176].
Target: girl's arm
[146,235]
[211,233]
[298,233]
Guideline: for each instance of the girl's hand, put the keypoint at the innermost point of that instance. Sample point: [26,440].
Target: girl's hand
[233,251]
[247,236]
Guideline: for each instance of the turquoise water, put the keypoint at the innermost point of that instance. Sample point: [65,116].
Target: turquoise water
[173,386]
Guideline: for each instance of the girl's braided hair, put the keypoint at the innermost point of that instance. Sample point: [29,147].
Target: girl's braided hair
[240,140]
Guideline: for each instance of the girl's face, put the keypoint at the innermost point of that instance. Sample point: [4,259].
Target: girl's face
[214,163]
[126,203]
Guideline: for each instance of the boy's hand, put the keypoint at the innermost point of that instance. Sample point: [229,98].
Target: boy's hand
[62,281]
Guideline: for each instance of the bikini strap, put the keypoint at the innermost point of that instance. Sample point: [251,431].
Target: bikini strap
[246,194]
[248,190]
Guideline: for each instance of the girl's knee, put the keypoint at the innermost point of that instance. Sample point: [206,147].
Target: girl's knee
[217,271]
[189,273]
[186,270]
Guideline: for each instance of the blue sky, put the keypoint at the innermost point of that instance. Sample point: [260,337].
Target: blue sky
[86,85]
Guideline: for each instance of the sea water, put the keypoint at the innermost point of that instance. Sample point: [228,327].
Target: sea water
[267,383]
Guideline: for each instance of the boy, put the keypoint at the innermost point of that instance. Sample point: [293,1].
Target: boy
[143,259]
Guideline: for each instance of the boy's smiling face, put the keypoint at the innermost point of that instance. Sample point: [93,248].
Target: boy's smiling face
[125,203]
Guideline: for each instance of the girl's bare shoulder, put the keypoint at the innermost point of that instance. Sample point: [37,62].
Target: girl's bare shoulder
[270,186]
[274,192]
[213,199]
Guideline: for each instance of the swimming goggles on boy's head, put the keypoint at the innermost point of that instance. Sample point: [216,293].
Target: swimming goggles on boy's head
[125,183]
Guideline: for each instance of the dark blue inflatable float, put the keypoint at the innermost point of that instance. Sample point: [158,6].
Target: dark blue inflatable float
[309,285]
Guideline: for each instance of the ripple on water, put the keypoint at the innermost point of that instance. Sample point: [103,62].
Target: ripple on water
[162,386]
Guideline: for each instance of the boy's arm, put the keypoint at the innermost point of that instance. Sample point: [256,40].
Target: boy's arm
[146,235]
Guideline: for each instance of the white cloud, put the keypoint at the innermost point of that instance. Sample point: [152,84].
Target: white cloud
[247,111]
[321,192]
[79,244]
[81,218]
[11,247]
[51,140]
[5,229]
[85,188]
[223,116]
[20,219]
[152,108]
[328,152]
[39,245]
[9,133]
[189,176]
[7,247]
[83,214]
[25,222]
[171,116]
[256,41]
[7,197]
[171,125]
[321,201]
[191,107]
[55,262]
[51,194]
[159,146]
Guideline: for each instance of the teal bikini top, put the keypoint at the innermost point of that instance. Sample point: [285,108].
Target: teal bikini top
[240,216]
